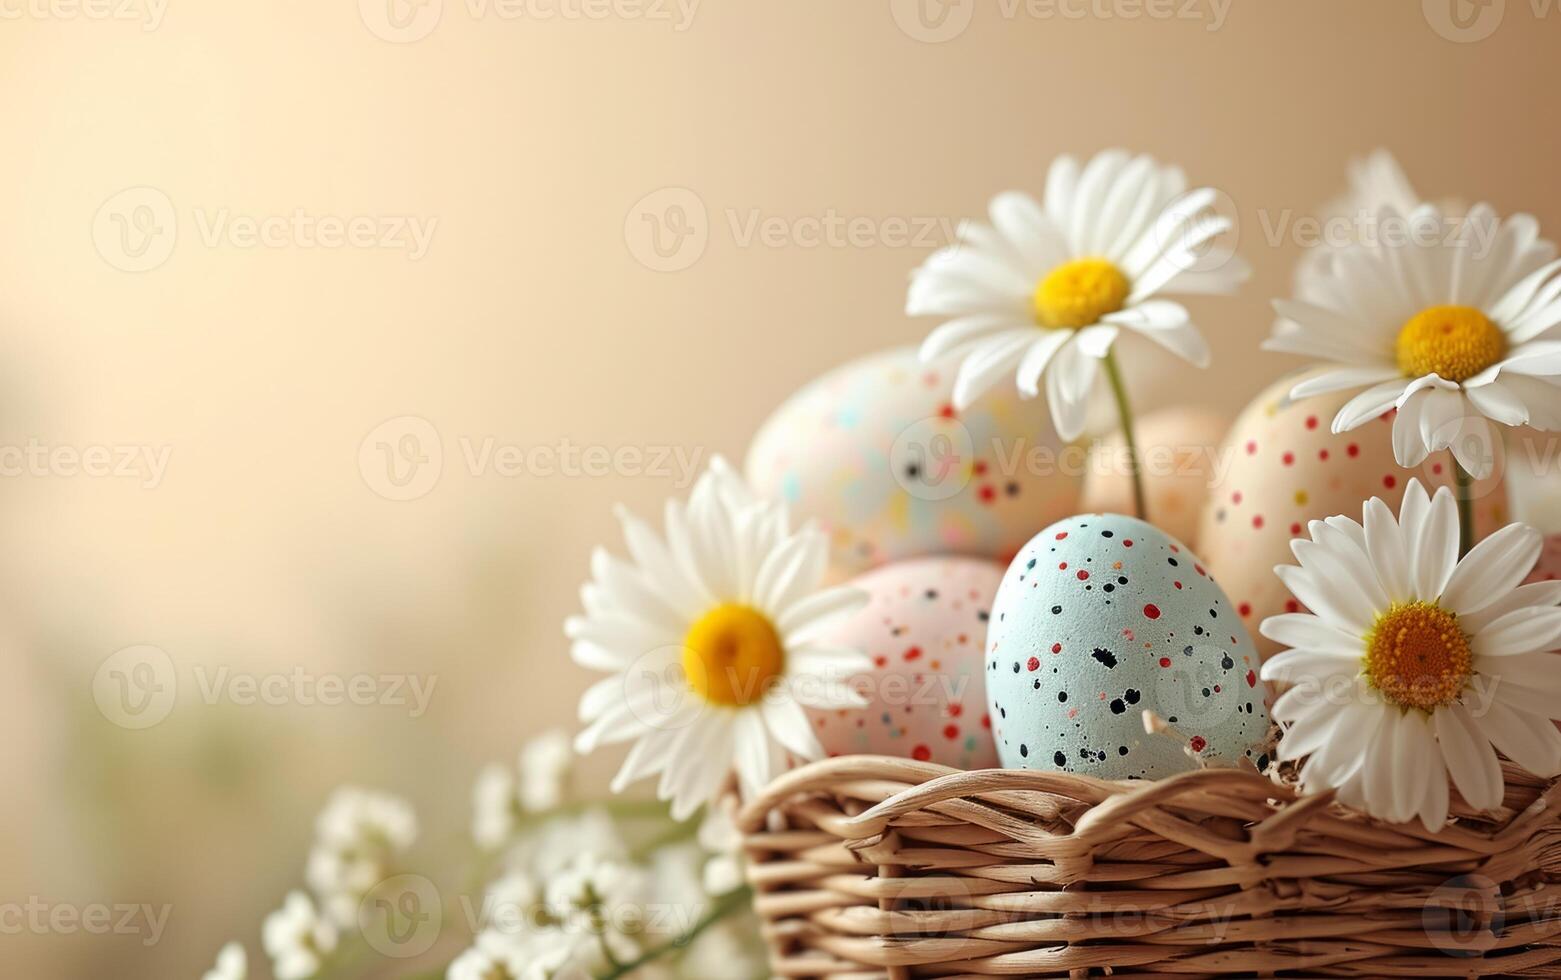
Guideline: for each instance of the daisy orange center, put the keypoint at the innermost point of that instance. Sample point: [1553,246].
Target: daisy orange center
[732,654]
[1078,293]
[1453,342]
[1417,656]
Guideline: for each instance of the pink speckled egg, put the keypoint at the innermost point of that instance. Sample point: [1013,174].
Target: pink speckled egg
[875,452]
[1548,568]
[1284,467]
[1178,449]
[923,627]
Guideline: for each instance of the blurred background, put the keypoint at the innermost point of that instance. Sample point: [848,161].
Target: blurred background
[330,333]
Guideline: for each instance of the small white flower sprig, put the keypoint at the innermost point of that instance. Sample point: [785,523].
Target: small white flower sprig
[1044,292]
[562,888]
[1415,667]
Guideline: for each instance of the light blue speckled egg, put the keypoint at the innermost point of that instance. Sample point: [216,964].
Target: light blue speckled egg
[1099,618]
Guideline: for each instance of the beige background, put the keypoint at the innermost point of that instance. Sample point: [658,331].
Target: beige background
[531,319]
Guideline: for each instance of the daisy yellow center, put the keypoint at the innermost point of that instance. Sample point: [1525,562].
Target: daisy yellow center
[732,654]
[1078,293]
[1417,656]
[1453,342]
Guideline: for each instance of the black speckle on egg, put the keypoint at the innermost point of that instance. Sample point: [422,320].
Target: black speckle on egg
[1106,534]
[1062,696]
[1024,750]
[1106,657]
[1117,707]
[1056,610]
[1059,758]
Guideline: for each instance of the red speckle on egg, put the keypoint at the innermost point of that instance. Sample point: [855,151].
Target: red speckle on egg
[1034,664]
[1245,609]
[1322,454]
[1353,450]
[921,753]
[955,710]
[1311,421]
[1288,459]
[1152,611]
[980,467]
[1061,535]
[951,732]
[1235,498]
[1056,648]
[1390,481]
[1127,542]
[1165,661]
[1257,521]
[987,493]
[1251,448]
[1292,606]
[1295,528]
[1198,743]
[1251,678]
[1177,584]
[1063,567]
[914,653]
[947,411]
[1083,575]
[986,721]
[880,661]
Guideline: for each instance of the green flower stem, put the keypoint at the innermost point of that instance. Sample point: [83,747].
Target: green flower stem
[1465,508]
[1125,413]
[724,906]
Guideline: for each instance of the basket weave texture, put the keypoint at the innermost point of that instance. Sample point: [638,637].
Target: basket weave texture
[865,866]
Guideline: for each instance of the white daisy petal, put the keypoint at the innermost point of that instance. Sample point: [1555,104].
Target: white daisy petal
[1471,761]
[997,356]
[1303,666]
[1040,354]
[1341,379]
[1533,594]
[806,619]
[1499,402]
[1312,633]
[1370,404]
[1409,448]
[1530,741]
[966,332]
[1527,630]
[789,725]
[1434,552]
[1096,341]
[1492,568]
[1331,600]
[1389,550]
[1069,410]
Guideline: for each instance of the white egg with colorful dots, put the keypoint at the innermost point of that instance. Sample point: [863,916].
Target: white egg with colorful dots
[923,627]
[877,455]
[1101,618]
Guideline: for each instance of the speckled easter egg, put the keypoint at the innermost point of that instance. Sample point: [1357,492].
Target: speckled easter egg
[875,452]
[1178,450]
[1100,618]
[1282,468]
[1548,568]
[923,627]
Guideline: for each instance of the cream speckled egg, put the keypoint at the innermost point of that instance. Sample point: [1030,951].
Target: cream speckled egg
[923,626]
[875,452]
[1099,619]
[1284,467]
[1178,449]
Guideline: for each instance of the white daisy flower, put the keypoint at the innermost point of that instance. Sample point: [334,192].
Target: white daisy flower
[297,938]
[232,964]
[545,764]
[1450,323]
[1376,181]
[712,637]
[1045,290]
[1415,666]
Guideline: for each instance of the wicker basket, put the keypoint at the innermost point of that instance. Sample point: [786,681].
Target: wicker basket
[866,866]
